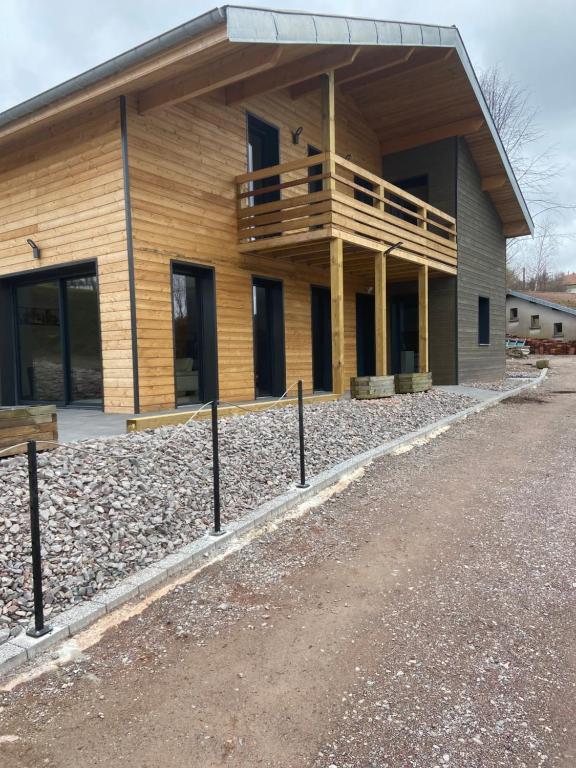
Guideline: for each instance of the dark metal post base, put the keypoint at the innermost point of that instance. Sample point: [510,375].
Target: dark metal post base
[214,532]
[33,632]
[302,485]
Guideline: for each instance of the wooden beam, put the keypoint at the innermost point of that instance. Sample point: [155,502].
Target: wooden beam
[292,72]
[365,64]
[427,57]
[515,229]
[337,314]
[209,77]
[423,362]
[380,309]
[329,128]
[119,83]
[407,141]
[489,183]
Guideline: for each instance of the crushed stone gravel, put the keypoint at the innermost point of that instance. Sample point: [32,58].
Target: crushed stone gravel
[112,506]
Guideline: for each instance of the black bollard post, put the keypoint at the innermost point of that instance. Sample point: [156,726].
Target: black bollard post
[302,483]
[39,628]
[217,529]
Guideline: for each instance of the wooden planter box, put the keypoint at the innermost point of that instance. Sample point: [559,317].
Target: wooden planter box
[372,387]
[408,383]
[22,423]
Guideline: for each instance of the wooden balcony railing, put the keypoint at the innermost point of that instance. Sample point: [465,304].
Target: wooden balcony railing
[326,196]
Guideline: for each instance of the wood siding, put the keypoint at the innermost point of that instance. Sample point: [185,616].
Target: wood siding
[64,189]
[183,161]
[481,272]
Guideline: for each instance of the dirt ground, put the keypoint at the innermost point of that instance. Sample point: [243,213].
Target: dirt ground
[423,617]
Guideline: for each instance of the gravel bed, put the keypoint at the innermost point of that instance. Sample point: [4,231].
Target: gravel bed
[115,505]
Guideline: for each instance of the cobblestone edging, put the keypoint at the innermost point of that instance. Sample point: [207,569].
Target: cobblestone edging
[202,551]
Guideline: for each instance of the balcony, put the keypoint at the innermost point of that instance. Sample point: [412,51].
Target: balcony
[294,210]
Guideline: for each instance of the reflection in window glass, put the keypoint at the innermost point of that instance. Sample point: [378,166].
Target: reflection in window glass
[84,340]
[186,338]
[40,346]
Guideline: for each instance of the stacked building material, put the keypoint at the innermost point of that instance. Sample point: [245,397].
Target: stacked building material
[551,347]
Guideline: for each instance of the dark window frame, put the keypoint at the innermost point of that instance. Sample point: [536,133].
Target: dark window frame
[209,378]
[558,333]
[513,318]
[59,274]
[483,321]
[535,323]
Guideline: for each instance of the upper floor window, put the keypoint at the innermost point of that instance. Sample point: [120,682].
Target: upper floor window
[483,320]
[513,314]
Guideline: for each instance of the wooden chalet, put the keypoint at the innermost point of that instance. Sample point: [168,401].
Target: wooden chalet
[254,197]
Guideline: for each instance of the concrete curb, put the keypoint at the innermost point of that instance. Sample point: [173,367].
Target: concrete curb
[203,551]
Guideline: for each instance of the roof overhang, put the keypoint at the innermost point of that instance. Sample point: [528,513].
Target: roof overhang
[257,49]
[541,302]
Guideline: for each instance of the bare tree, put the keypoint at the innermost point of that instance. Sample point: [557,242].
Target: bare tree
[516,119]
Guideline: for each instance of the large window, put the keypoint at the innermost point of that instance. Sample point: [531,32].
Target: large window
[513,314]
[59,352]
[558,329]
[535,322]
[483,320]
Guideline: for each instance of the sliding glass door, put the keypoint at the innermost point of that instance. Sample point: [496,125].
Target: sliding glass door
[58,341]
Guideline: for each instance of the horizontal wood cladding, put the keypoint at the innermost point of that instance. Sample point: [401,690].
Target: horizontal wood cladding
[65,190]
[183,162]
[481,272]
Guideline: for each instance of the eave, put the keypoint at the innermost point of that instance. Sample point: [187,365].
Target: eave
[282,49]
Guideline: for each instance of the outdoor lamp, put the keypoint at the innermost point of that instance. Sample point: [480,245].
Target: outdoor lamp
[296,135]
[35,248]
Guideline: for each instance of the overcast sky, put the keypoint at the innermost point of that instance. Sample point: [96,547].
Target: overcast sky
[43,43]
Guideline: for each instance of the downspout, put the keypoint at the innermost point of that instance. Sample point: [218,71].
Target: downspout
[130,252]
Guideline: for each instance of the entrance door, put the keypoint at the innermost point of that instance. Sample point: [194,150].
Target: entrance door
[404,333]
[269,354]
[365,335]
[263,152]
[194,317]
[58,341]
[321,339]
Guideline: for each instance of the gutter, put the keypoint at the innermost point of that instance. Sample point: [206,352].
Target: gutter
[119,63]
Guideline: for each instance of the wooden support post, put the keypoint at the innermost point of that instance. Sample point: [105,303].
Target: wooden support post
[337,312]
[380,307]
[423,366]
[329,127]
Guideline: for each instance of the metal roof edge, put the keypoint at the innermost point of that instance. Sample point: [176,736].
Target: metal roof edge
[116,64]
[247,24]
[469,69]
[274,26]
[541,302]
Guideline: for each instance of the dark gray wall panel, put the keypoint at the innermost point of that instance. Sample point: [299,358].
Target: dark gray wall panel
[442,329]
[437,161]
[481,272]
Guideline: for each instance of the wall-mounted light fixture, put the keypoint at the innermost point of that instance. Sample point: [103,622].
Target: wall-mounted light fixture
[392,247]
[296,135]
[35,248]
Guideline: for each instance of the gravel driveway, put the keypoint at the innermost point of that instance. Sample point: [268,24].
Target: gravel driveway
[110,507]
[423,617]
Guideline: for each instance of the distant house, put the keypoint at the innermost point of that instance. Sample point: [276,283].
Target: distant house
[535,315]
[569,283]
